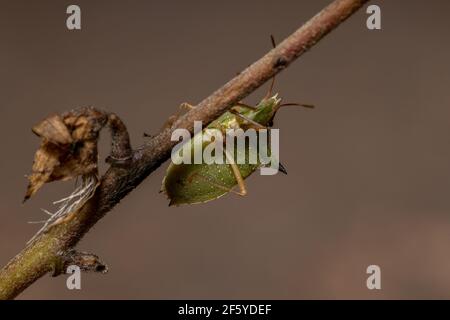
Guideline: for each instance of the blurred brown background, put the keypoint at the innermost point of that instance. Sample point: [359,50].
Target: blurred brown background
[369,172]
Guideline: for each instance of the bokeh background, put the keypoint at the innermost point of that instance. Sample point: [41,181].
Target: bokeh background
[369,171]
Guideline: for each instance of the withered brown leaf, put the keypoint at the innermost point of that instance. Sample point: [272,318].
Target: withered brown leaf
[68,148]
[53,129]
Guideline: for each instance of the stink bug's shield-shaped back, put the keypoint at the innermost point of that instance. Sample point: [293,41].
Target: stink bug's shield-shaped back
[198,183]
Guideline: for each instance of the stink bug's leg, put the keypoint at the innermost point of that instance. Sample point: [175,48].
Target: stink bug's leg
[169,123]
[237,174]
[241,104]
[252,122]
[187,106]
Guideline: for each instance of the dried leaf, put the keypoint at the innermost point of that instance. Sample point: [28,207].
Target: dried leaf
[53,129]
[68,148]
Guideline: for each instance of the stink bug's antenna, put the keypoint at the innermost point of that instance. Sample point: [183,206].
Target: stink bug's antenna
[309,106]
[304,105]
[272,83]
[272,39]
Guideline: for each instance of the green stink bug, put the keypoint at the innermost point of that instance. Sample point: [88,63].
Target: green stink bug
[190,183]
[198,183]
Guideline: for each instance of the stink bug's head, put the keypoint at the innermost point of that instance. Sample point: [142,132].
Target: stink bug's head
[266,110]
[268,107]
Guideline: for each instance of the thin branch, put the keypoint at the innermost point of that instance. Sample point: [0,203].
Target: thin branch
[44,254]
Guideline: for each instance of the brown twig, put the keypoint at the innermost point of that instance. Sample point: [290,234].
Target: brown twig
[45,253]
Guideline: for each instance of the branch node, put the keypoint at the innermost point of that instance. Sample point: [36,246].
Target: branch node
[280,63]
[87,262]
